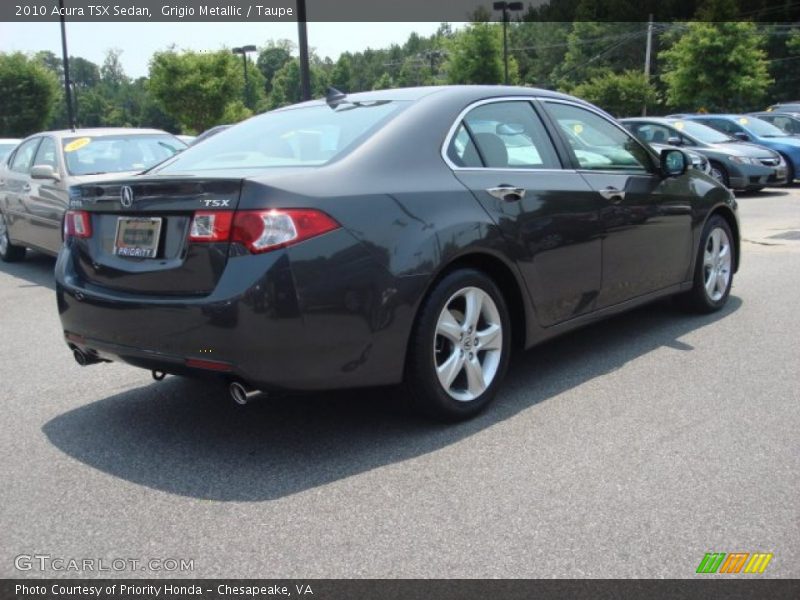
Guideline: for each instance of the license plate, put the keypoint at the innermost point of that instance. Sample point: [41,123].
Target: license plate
[137,237]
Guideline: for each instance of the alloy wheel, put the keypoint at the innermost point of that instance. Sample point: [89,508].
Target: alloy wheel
[717,264]
[468,344]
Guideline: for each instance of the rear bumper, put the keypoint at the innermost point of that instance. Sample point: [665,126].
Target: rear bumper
[319,315]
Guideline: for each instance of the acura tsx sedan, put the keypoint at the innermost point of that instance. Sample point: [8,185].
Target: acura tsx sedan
[410,236]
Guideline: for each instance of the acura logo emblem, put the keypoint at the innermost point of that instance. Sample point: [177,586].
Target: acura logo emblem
[126,196]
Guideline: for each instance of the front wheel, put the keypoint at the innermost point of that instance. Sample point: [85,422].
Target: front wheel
[460,346]
[8,251]
[713,274]
[719,173]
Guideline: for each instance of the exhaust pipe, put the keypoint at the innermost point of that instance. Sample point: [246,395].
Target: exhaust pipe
[84,359]
[240,393]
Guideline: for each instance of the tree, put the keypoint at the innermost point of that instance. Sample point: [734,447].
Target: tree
[476,55]
[271,58]
[342,74]
[716,66]
[195,88]
[621,94]
[29,94]
[384,82]
[286,84]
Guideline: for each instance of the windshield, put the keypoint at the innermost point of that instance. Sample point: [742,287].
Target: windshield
[86,155]
[307,136]
[760,128]
[6,148]
[701,132]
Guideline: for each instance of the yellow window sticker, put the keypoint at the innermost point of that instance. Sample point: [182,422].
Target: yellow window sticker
[678,125]
[577,128]
[743,121]
[77,144]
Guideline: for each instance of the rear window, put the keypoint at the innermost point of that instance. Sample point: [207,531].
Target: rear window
[308,136]
[87,155]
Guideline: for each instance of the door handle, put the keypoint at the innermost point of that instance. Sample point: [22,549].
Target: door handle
[613,194]
[26,187]
[509,193]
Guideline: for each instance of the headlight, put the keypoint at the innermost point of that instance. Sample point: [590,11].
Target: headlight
[744,160]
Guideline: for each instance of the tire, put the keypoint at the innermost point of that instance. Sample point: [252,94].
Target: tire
[443,336]
[790,174]
[8,251]
[719,173]
[713,273]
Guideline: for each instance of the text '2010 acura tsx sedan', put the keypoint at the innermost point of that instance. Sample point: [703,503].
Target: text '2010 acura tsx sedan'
[407,236]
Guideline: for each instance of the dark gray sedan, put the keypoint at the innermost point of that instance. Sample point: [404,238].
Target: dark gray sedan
[736,164]
[409,236]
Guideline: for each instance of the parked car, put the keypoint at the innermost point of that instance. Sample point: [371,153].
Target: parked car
[374,239]
[7,145]
[791,107]
[186,139]
[208,133]
[753,129]
[786,122]
[737,165]
[36,176]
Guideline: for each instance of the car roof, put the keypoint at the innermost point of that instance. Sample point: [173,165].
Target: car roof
[465,92]
[101,131]
[10,140]
[663,120]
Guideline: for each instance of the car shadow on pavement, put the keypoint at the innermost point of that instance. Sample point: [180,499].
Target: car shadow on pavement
[185,437]
[37,269]
[767,193]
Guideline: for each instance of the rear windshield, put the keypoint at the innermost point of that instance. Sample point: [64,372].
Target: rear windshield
[307,136]
[87,155]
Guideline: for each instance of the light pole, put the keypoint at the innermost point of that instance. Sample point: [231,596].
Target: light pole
[65,59]
[243,50]
[505,7]
[302,42]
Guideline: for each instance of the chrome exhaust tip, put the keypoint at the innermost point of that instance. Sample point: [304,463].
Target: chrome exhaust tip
[84,359]
[240,393]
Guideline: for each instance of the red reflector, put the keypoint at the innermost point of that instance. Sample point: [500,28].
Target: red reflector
[74,337]
[211,365]
[264,230]
[211,226]
[77,224]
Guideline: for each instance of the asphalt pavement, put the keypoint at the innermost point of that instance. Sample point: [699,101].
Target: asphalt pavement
[627,449]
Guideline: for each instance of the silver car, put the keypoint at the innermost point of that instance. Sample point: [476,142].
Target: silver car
[35,178]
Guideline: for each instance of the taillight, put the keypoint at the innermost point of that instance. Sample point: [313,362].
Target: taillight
[211,226]
[77,224]
[264,230]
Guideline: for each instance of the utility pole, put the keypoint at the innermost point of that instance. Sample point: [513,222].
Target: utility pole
[302,39]
[647,54]
[65,60]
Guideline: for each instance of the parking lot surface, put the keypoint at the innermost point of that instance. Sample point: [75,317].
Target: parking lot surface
[627,449]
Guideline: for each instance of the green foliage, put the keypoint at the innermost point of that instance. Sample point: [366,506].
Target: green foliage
[384,82]
[286,84]
[621,94]
[196,87]
[717,67]
[272,58]
[342,74]
[28,94]
[236,111]
[476,55]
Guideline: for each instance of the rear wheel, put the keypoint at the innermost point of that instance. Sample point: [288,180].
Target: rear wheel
[713,275]
[460,346]
[8,251]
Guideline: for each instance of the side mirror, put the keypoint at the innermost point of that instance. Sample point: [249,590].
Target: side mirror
[44,172]
[741,135]
[674,163]
[674,141]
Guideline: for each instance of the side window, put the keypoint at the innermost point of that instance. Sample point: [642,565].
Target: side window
[597,143]
[46,155]
[508,135]
[462,150]
[23,158]
[653,133]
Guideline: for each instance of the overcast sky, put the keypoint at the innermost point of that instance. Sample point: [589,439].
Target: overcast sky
[138,41]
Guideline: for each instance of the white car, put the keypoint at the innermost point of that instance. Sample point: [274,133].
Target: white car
[7,145]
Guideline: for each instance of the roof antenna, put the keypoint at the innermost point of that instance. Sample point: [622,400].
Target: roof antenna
[334,97]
